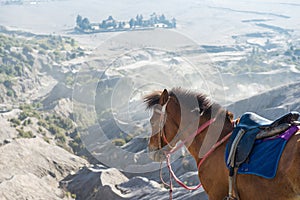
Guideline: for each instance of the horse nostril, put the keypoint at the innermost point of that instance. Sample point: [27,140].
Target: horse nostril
[152,148]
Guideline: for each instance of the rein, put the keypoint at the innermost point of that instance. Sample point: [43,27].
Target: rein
[173,149]
[172,173]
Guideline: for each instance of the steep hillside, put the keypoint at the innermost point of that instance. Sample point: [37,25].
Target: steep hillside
[31,65]
[37,137]
[31,169]
[271,104]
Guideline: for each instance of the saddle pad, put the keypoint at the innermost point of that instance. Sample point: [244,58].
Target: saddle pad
[250,123]
[264,158]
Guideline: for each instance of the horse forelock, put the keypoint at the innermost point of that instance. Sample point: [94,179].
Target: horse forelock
[152,99]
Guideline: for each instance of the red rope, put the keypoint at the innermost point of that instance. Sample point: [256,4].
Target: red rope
[172,174]
[171,186]
[177,179]
[213,148]
[168,156]
[161,177]
[199,130]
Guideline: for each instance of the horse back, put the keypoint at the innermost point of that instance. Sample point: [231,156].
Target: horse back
[290,162]
[288,174]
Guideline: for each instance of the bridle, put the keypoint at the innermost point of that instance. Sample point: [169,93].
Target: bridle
[162,137]
[174,148]
[162,120]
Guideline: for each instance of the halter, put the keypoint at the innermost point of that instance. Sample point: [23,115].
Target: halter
[174,148]
[162,120]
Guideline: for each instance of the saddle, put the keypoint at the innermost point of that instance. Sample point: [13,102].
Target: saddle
[250,128]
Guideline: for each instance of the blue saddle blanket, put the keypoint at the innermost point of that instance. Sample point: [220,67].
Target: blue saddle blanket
[264,158]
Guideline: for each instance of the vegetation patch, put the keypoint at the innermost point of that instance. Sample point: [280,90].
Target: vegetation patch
[264,60]
[61,128]
[20,56]
[25,134]
[118,142]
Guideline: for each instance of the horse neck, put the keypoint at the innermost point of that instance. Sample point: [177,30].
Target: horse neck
[196,145]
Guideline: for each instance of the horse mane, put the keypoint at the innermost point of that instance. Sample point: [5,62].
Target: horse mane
[152,99]
[186,96]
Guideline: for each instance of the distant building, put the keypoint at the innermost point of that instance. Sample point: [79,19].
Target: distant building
[160,25]
[137,23]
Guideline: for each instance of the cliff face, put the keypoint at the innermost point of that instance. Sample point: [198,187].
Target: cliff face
[99,182]
[33,97]
[31,169]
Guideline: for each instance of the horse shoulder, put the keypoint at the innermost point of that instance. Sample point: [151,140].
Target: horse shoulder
[213,175]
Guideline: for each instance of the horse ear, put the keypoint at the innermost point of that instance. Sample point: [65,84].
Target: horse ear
[229,115]
[164,97]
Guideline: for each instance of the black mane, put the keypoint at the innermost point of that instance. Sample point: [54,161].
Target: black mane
[184,96]
[152,99]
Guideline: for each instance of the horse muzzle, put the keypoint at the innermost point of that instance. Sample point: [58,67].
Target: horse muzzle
[156,155]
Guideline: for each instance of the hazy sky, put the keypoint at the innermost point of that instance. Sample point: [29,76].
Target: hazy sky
[211,21]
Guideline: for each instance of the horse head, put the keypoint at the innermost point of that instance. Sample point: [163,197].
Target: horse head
[176,116]
[163,123]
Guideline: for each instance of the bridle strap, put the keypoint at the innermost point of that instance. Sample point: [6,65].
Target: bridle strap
[174,148]
[213,148]
[162,121]
[177,147]
[199,130]
[162,136]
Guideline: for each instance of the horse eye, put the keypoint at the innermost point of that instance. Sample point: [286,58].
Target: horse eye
[151,122]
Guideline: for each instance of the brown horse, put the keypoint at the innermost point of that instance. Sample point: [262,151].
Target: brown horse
[173,114]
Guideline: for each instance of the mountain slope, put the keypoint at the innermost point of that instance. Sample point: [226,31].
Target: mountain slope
[34,169]
[270,104]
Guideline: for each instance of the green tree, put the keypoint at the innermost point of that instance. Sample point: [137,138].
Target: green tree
[10,93]
[79,20]
[8,84]
[85,25]
[162,18]
[73,42]
[139,20]
[131,22]
[174,23]
[25,134]
[27,49]
[103,24]
[110,18]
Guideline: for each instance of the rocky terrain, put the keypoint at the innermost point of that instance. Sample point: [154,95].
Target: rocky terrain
[40,139]
[59,118]
[31,169]
[73,123]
